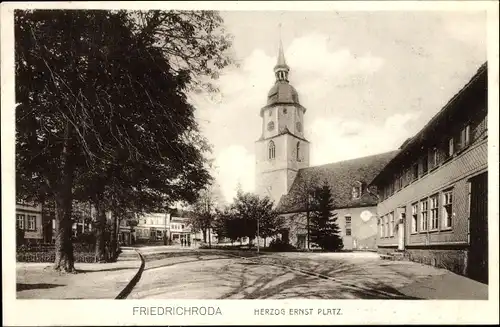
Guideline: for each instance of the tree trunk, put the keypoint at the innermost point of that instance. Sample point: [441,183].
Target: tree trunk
[65,260]
[100,243]
[209,238]
[204,231]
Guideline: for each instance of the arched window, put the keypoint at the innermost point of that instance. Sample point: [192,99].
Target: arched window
[298,151]
[271,150]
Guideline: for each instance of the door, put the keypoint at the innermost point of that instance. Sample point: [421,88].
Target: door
[401,228]
[301,241]
[478,251]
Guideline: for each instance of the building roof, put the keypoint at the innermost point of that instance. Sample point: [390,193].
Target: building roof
[341,176]
[282,92]
[180,213]
[440,121]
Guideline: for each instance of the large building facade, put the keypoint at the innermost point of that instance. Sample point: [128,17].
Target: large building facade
[433,194]
[355,205]
[283,172]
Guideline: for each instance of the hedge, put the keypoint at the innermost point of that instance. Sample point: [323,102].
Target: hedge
[51,257]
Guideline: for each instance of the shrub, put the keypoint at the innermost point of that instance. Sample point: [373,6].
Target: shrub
[280,246]
[19,236]
[51,257]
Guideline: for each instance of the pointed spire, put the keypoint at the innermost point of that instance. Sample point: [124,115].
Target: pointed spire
[281,56]
[281,69]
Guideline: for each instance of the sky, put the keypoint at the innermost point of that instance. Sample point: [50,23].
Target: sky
[369,80]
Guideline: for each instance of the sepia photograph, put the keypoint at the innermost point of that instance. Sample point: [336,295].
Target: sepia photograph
[213,154]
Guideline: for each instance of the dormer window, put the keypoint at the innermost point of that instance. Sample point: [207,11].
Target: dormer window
[356,190]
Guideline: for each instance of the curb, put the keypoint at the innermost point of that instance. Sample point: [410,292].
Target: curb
[310,273]
[128,289]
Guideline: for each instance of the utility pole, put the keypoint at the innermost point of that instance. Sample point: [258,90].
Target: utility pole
[165,228]
[258,237]
[307,222]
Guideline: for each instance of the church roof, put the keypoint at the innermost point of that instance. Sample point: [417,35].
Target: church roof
[341,176]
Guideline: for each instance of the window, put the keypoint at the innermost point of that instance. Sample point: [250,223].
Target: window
[391,224]
[434,212]
[391,189]
[465,136]
[32,222]
[270,126]
[182,226]
[425,164]
[447,209]
[397,183]
[298,126]
[414,218]
[434,158]
[356,192]
[270,112]
[284,111]
[424,215]
[347,225]
[451,148]
[386,226]
[298,151]
[271,150]
[414,172]
[20,221]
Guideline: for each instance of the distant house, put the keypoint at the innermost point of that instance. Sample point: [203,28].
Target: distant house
[355,206]
[29,219]
[174,225]
[434,193]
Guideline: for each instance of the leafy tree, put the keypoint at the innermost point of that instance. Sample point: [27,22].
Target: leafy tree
[204,214]
[226,224]
[324,228]
[98,125]
[253,210]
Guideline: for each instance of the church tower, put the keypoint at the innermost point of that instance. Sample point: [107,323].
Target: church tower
[282,148]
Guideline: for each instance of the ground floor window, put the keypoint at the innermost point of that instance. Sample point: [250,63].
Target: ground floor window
[434,212]
[391,224]
[31,222]
[20,221]
[414,218]
[424,215]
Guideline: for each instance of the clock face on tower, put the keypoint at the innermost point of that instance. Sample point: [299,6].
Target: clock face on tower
[270,126]
[298,126]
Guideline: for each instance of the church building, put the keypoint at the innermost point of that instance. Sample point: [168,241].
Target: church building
[283,171]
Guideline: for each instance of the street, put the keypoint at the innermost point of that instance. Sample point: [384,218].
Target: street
[212,274]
